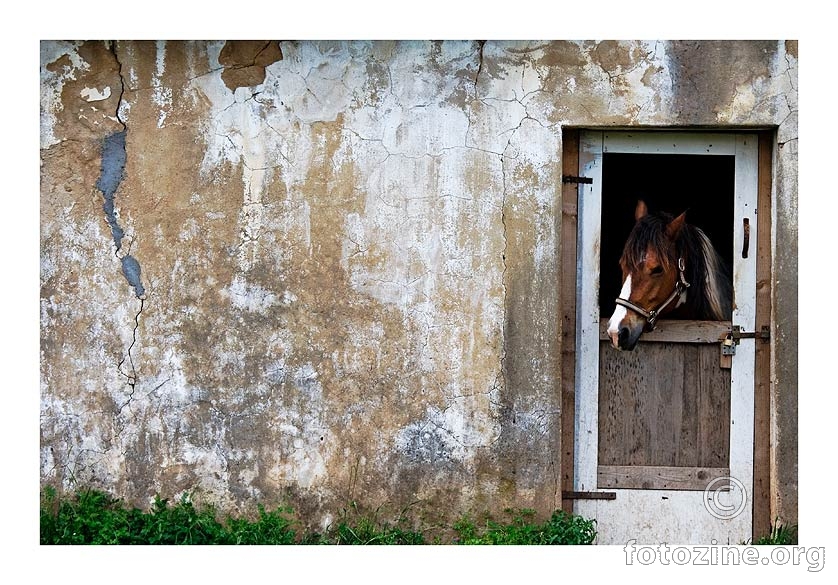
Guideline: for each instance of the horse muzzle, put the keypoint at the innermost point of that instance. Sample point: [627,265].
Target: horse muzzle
[625,338]
[625,329]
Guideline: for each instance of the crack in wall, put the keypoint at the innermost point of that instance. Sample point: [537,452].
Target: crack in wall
[467,110]
[74,467]
[112,171]
[121,86]
[132,376]
[787,72]
[480,45]
[618,72]
[502,368]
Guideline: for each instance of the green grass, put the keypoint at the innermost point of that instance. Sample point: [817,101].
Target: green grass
[355,527]
[780,535]
[561,528]
[94,517]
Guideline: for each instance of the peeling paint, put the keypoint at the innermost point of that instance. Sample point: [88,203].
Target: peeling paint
[245,62]
[92,94]
[59,62]
[162,94]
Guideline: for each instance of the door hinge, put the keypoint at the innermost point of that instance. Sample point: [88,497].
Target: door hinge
[589,495]
[572,179]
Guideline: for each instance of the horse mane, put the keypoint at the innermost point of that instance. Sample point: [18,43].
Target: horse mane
[706,272]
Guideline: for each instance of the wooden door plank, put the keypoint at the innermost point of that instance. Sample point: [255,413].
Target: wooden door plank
[670,366]
[570,193]
[669,143]
[713,409]
[689,437]
[658,477]
[672,331]
[762,365]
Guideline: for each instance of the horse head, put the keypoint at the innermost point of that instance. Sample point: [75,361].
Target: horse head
[653,276]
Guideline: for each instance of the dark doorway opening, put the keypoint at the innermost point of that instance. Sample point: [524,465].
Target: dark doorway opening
[701,185]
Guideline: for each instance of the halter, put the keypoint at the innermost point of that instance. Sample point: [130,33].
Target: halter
[652,316]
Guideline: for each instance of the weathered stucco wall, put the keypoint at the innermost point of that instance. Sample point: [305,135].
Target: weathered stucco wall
[322,271]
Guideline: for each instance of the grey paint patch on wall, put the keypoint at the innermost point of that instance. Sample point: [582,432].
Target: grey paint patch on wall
[112,171]
[131,271]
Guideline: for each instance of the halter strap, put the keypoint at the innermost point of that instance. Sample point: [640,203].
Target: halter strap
[652,316]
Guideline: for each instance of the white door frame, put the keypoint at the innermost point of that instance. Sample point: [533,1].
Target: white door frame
[671,516]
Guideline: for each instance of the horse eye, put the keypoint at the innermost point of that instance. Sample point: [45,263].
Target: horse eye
[657,270]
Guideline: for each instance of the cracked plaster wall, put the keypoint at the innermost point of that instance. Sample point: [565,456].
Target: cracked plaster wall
[349,251]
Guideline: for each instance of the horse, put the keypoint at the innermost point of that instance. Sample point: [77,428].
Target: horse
[669,268]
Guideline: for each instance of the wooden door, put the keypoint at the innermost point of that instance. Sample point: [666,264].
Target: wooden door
[665,428]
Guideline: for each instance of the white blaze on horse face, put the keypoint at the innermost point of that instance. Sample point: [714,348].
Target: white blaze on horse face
[620,312]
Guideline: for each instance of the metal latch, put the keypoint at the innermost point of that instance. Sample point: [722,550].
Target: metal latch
[736,333]
[731,340]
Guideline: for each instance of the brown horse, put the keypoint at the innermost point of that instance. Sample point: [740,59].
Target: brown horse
[669,268]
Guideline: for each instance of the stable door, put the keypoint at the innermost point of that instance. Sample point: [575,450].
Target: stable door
[664,433]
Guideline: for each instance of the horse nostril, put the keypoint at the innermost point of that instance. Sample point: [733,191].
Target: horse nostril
[623,335]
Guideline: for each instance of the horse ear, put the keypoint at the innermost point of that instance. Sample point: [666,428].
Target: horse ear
[640,211]
[674,226]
